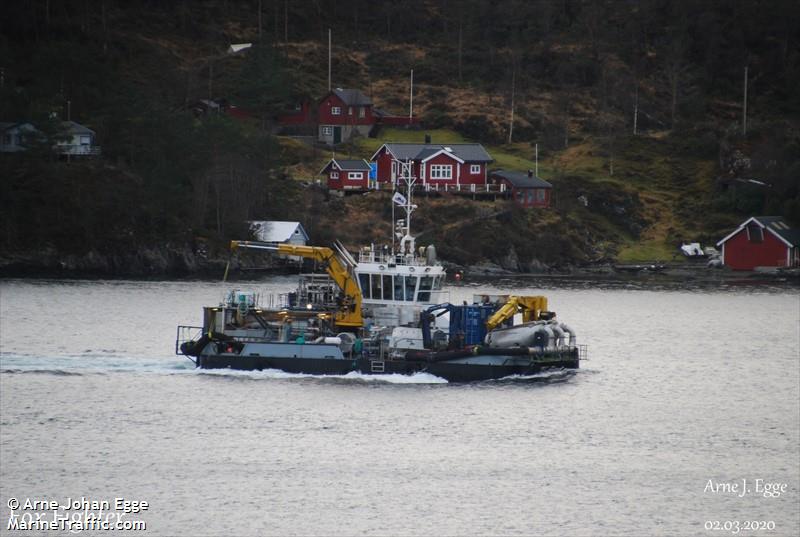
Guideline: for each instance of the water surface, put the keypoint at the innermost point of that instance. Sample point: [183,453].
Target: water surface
[683,386]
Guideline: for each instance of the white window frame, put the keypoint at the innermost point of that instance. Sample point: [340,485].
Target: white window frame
[336,110]
[474,168]
[362,112]
[441,171]
[334,175]
[355,176]
[349,110]
[540,195]
[327,130]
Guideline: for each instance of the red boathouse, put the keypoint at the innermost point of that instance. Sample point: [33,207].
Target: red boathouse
[527,190]
[761,241]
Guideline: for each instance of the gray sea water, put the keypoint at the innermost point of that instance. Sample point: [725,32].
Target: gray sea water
[688,408]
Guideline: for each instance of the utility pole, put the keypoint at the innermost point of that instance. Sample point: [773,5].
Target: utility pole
[460,43]
[744,105]
[513,88]
[329,59]
[210,77]
[259,20]
[536,160]
[411,98]
[636,109]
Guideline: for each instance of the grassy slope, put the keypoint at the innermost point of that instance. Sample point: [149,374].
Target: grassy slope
[643,168]
[654,171]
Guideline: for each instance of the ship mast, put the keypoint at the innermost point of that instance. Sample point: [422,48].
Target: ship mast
[403,226]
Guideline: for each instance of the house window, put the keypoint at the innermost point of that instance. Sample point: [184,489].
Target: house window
[474,168]
[355,175]
[327,131]
[530,196]
[540,195]
[86,140]
[349,110]
[7,139]
[334,175]
[755,233]
[441,171]
[336,110]
[362,111]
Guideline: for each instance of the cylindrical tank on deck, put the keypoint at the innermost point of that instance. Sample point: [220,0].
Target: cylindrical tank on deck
[430,254]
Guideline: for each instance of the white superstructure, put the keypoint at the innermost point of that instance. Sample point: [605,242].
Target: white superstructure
[397,284]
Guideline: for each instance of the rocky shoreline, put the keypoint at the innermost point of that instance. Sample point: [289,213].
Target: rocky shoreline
[172,262]
[167,261]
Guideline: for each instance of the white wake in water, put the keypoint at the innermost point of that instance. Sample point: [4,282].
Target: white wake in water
[98,363]
[416,378]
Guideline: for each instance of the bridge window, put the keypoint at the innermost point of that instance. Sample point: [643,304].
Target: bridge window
[399,286]
[387,287]
[376,286]
[425,286]
[411,285]
[363,281]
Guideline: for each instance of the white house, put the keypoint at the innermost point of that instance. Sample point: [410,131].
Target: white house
[76,140]
[14,137]
[278,231]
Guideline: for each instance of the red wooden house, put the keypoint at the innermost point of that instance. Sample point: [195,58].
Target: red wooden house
[434,164]
[526,189]
[299,114]
[342,113]
[761,241]
[347,174]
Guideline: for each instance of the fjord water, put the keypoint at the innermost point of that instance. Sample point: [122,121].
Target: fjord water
[683,386]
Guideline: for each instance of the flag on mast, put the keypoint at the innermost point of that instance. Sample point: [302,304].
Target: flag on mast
[399,199]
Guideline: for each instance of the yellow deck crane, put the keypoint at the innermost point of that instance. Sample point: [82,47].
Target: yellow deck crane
[349,314]
[530,307]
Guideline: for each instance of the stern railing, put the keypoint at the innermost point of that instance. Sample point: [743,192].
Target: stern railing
[185,334]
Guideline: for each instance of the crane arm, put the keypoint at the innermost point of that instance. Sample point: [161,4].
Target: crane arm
[350,313]
[529,306]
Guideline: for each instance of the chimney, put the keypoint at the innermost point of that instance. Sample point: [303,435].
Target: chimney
[530,174]
[427,138]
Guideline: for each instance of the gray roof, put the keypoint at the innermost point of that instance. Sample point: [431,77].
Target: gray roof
[353,164]
[352,97]
[520,179]
[466,152]
[781,227]
[356,165]
[76,128]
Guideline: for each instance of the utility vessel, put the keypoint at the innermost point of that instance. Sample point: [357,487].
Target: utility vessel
[383,313]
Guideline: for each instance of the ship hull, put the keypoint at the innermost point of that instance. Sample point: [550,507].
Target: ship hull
[462,369]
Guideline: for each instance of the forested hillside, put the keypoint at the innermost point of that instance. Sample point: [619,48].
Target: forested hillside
[637,105]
